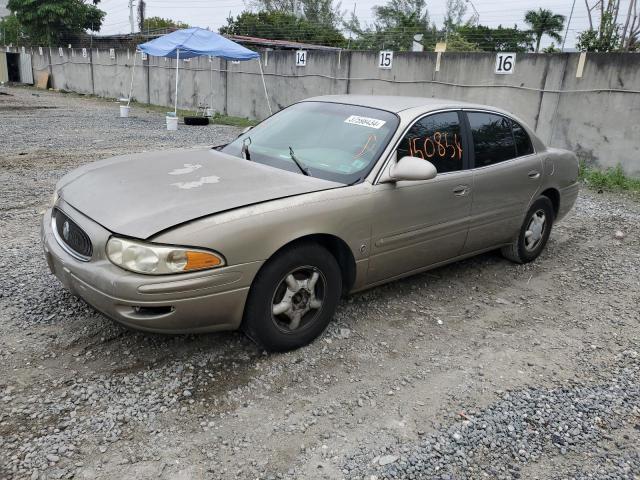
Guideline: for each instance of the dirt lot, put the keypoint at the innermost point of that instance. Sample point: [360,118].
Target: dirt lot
[482,369]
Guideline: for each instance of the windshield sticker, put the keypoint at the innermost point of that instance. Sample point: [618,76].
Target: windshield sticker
[365,121]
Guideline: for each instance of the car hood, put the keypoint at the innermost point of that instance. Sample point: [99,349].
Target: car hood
[143,194]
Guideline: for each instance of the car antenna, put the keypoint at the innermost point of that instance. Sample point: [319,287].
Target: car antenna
[298,163]
[245,148]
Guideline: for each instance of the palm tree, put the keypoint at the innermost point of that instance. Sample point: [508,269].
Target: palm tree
[544,22]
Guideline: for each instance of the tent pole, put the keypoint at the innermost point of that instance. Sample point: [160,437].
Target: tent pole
[175,109]
[265,86]
[210,102]
[133,71]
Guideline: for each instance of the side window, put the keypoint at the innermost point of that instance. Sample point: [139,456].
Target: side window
[436,138]
[492,138]
[523,142]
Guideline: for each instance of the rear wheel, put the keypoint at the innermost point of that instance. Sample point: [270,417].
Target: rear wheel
[534,233]
[293,298]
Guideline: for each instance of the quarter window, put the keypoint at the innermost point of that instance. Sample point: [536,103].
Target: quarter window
[436,138]
[492,138]
[523,142]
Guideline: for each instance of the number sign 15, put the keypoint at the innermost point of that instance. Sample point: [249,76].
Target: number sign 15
[505,63]
[385,59]
[301,58]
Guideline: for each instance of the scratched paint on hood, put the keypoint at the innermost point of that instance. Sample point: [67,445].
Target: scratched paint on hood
[196,183]
[130,195]
[187,168]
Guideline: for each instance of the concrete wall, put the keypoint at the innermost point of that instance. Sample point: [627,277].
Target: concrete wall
[597,115]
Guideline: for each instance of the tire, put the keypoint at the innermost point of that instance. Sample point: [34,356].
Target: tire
[286,308]
[196,121]
[526,247]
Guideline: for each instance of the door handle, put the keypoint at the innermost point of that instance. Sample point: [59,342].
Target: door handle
[461,190]
[533,174]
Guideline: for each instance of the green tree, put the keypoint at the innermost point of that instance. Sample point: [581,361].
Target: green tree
[606,38]
[158,23]
[394,26]
[551,49]
[10,30]
[48,22]
[282,26]
[455,11]
[544,22]
[323,12]
[457,43]
[499,39]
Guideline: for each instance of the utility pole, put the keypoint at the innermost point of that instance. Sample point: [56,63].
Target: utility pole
[353,16]
[142,13]
[131,18]
[568,24]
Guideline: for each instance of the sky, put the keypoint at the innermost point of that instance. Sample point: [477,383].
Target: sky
[213,13]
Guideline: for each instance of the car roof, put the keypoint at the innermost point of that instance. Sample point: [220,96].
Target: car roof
[395,104]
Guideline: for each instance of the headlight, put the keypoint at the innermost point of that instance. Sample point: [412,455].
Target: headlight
[149,258]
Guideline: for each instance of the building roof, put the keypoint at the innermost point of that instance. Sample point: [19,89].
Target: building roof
[271,43]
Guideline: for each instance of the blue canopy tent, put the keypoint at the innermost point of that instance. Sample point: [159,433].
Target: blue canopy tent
[195,42]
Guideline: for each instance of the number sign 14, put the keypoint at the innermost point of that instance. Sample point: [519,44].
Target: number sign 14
[505,63]
[385,59]
[301,58]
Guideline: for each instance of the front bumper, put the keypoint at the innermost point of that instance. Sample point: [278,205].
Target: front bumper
[183,303]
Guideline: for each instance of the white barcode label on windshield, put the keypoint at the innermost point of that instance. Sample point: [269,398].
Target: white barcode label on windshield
[365,121]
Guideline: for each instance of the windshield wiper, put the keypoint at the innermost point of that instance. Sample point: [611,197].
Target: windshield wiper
[245,149]
[298,163]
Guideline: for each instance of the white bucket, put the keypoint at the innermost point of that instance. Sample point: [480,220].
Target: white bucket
[172,123]
[208,112]
[124,111]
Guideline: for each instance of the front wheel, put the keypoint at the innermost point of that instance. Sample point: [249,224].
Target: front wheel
[533,234]
[293,298]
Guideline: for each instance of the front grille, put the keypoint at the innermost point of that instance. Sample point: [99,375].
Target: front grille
[72,236]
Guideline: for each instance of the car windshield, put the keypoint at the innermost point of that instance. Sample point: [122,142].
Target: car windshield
[331,141]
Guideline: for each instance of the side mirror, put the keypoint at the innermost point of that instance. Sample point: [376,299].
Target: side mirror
[410,169]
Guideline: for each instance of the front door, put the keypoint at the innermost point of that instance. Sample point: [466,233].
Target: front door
[421,223]
[507,174]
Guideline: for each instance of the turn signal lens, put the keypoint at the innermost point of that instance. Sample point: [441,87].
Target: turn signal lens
[201,260]
[149,258]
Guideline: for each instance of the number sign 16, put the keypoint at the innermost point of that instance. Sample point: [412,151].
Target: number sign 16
[301,58]
[385,59]
[505,63]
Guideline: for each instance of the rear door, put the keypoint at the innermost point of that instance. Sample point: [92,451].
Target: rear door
[506,175]
[420,223]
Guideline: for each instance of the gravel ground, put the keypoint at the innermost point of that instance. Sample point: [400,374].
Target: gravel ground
[481,369]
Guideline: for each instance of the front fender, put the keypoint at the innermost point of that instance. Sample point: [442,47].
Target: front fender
[256,232]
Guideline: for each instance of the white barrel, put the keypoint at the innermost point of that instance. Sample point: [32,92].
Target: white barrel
[124,111]
[172,123]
